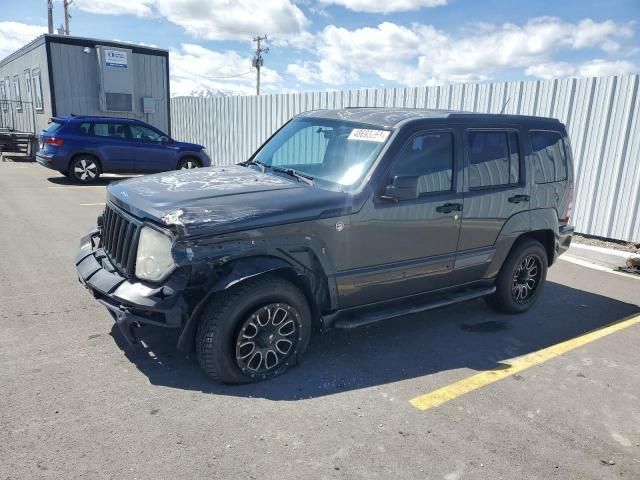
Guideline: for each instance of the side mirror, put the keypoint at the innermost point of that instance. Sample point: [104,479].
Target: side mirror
[165,140]
[402,188]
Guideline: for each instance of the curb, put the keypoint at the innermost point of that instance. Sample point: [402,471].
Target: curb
[603,256]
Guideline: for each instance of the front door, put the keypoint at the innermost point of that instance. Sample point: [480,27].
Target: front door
[407,247]
[151,154]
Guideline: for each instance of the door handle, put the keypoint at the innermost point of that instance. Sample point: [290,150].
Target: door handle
[519,198]
[449,207]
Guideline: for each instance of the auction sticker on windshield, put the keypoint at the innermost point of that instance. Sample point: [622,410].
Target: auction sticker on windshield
[368,135]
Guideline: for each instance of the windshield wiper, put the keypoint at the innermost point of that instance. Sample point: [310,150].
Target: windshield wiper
[263,166]
[303,177]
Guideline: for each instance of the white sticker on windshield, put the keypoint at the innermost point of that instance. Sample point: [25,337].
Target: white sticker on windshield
[368,135]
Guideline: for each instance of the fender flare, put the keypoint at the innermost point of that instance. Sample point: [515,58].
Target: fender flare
[241,269]
[521,223]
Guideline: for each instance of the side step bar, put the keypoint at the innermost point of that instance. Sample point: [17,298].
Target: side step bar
[362,319]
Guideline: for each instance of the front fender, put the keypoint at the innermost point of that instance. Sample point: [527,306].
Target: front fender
[240,270]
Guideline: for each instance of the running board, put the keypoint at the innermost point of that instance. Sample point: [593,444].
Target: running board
[362,319]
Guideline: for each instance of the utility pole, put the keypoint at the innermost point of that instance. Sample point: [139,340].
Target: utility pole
[50,15]
[67,17]
[258,61]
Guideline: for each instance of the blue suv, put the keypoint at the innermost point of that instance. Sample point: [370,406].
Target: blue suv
[84,147]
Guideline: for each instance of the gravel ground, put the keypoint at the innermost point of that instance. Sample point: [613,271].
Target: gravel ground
[604,243]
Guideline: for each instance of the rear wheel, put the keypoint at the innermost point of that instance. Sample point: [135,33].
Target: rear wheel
[189,163]
[84,169]
[521,278]
[253,331]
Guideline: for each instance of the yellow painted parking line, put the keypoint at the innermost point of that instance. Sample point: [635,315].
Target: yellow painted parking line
[469,384]
[91,204]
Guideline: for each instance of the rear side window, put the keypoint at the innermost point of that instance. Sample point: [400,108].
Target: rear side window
[53,127]
[114,130]
[493,158]
[428,156]
[550,157]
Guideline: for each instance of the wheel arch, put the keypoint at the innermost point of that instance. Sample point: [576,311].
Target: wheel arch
[242,269]
[186,155]
[539,224]
[86,154]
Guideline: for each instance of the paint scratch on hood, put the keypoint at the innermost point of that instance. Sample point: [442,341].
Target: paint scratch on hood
[192,216]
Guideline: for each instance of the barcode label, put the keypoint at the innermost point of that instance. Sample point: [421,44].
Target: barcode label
[368,135]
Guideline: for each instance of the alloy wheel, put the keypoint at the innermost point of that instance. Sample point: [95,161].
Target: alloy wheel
[526,279]
[188,165]
[86,170]
[267,339]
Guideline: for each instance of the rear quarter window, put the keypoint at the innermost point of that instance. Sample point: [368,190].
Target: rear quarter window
[53,127]
[550,156]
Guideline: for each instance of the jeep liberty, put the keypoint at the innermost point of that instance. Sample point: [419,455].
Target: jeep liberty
[341,219]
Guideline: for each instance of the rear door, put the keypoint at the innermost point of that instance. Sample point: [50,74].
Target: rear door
[151,155]
[111,140]
[495,190]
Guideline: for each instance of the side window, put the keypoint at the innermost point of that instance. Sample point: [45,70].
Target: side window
[27,84]
[16,88]
[84,128]
[3,96]
[493,158]
[37,90]
[145,134]
[550,158]
[428,156]
[113,130]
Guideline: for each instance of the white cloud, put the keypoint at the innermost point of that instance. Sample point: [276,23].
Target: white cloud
[593,68]
[213,19]
[14,35]
[323,71]
[195,69]
[419,54]
[140,8]
[385,6]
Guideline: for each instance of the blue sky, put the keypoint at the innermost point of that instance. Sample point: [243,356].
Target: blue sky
[341,44]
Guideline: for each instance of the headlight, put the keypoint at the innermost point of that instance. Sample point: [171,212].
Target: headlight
[154,260]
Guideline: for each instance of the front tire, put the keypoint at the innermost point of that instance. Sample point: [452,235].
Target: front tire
[521,279]
[253,331]
[189,163]
[84,169]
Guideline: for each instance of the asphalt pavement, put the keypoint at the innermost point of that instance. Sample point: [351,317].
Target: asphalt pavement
[77,402]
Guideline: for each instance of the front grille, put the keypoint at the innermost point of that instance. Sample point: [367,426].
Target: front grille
[120,239]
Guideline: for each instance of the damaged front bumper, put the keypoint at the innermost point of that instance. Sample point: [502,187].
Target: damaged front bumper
[131,303]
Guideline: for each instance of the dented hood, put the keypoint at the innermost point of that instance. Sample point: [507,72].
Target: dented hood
[215,200]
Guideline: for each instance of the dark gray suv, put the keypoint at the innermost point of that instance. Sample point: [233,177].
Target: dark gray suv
[341,219]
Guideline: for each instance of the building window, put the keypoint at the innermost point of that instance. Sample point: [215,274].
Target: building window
[3,96]
[16,88]
[37,90]
[27,85]
[550,156]
[493,159]
[429,157]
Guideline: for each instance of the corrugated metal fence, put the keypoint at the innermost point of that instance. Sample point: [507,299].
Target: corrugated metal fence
[600,113]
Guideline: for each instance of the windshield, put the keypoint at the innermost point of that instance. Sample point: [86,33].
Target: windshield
[331,150]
